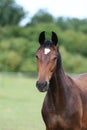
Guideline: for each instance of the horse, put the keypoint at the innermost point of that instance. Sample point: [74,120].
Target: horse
[65,103]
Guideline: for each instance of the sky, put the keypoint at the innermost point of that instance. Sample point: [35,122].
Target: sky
[64,8]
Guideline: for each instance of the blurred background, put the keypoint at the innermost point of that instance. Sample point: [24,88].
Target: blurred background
[21,21]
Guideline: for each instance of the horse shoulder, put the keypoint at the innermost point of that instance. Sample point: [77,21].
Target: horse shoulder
[81,82]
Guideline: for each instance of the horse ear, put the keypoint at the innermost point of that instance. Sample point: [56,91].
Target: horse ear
[42,37]
[54,38]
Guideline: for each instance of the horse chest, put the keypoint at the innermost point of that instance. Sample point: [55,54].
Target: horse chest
[60,119]
[54,121]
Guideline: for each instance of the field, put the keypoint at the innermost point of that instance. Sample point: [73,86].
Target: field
[20,103]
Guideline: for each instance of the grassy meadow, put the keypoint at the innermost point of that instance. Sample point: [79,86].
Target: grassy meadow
[20,103]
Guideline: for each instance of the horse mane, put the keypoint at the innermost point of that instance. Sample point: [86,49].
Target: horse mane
[59,61]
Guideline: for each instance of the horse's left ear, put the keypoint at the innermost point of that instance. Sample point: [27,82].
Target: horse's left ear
[42,37]
[54,38]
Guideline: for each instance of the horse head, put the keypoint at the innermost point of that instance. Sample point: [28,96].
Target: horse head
[47,57]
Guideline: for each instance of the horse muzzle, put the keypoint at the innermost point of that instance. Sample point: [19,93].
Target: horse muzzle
[42,87]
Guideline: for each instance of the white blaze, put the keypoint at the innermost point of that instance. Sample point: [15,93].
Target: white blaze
[46,50]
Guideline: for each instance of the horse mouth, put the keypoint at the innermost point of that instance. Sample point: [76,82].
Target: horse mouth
[42,87]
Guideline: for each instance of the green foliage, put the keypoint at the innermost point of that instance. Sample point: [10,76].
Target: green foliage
[73,63]
[73,24]
[10,13]
[42,17]
[19,44]
[75,42]
[13,60]
[16,55]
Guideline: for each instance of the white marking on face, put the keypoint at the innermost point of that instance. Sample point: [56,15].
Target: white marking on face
[46,50]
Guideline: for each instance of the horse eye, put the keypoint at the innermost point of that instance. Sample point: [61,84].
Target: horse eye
[55,58]
[36,56]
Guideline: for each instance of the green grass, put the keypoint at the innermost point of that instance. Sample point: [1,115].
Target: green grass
[20,104]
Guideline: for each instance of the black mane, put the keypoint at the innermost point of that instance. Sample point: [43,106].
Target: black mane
[59,61]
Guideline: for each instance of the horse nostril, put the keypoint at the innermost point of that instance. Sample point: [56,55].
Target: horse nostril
[44,84]
[37,83]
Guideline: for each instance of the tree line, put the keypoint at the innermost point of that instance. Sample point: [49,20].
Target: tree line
[64,23]
[19,44]
[11,14]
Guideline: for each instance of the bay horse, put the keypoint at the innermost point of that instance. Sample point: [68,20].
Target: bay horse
[65,103]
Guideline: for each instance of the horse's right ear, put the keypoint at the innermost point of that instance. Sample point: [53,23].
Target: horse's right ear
[54,38]
[42,37]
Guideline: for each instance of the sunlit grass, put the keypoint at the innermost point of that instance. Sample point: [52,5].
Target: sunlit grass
[20,104]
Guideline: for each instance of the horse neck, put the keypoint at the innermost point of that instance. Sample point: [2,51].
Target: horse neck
[59,89]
